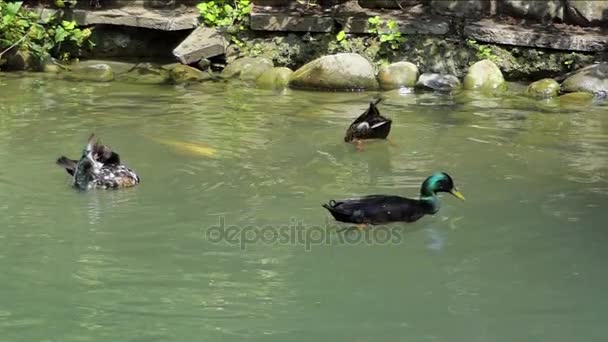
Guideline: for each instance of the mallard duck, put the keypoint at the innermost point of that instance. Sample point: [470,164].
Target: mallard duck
[369,125]
[379,209]
[98,167]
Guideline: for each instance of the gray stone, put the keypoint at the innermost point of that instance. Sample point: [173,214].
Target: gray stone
[398,75]
[90,72]
[547,10]
[438,82]
[407,25]
[593,79]
[462,8]
[539,36]
[165,20]
[587,12]
[484,75]
[543,89]
[290,22]
[203,42]
[247,68]
[343,71]
[275,78]
[183,74]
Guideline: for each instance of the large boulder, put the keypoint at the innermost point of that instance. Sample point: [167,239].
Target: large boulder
[592,79]
[275,78]
[587,12]
[438,82]
[183,74]
[484,75]
[343,71]
[99,72]
[543,89]
[247,68]
[398,75]
[546,10]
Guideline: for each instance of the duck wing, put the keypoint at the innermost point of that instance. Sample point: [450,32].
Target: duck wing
[377,209]
[68,164]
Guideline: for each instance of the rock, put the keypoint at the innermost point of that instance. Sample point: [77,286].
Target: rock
[547,10]
[145,73]
[398,4]
[51,66]
[592,79]
[91,72]
[461,8]
[398,75]
[291,22]
[407,25]
[20,60]
[138,16]
[537,35]
[587,12]
[438,82]
[183,74]
[543,89]
[484,75]
[343,71]
[117,67]
[576,98]
[275,78]
[247,68]
[204,63]
[204,42]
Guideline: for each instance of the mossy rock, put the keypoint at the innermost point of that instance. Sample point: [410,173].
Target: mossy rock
[398,75]
[275,78]
[90,72]
[543,89]
[343,71]
[484,75]
[183,74]
[576,98]
[146,73]
[247,68]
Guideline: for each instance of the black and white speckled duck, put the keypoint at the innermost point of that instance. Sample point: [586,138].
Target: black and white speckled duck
[98,167]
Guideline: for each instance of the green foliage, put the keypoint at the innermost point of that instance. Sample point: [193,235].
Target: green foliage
[23,29]
[483,51]
[569,60]
[224,13]
[386,31]
[342,40]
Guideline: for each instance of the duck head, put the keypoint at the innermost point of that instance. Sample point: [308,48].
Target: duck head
[439,182]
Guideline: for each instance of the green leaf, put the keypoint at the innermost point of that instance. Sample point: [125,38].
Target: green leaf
[341,35]
[228,9]
[68,25]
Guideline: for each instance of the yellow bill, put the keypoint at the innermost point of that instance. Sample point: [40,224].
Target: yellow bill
[457,194]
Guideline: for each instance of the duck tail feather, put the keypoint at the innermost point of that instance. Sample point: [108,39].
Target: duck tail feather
[68,164]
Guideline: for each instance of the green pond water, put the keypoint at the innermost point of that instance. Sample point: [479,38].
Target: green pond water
[522,259]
